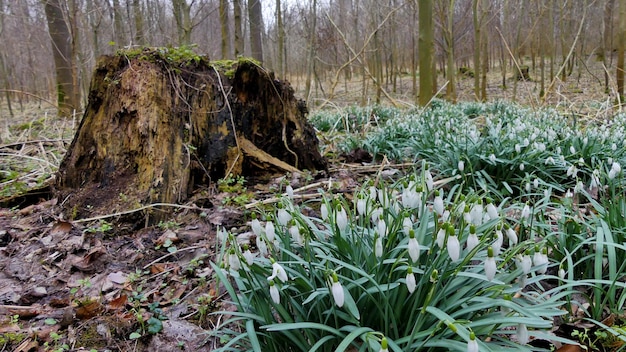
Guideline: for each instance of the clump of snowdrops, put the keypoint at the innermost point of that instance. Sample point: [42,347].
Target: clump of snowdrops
[406,266]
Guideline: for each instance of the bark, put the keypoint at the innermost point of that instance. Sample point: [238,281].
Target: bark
[477,47]
[238,28]
[67,90]
[425,47]
[280,66]
[156,131]
[620,50]
[255,16]
[225,29]
[138,17]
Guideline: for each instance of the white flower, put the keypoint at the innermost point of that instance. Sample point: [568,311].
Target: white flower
[527,187]
[278,271]
[497,244]
[410,198]
[248,256]
[222,234]
[511,235]
[572,149]
[429,180]
[562,273]
[472,241]
[490,265]
[477,214]
[410,280]
[407,225]
[373,193]
[233,260]
[294,231]
[467,215]
[492,158]
[383,345]
[525,263]
[549,161]
[361,206]
[274,292]
[454,248]
[270,231]
[414,247]
[492,211]
[262,246]
[472,344]
[518,148]
[324,211]
[289,191]
[572,171]
[441,235]
[540,259]
[461,165]
[256,226]
[342,218]
[283,217]
[376,215]
[378,247]
[438,204]
[526,212]
[521,166]
[522,334]
[381,227]
[337,291]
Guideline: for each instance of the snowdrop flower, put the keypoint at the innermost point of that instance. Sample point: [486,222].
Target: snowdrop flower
[572,171]
[510,234]
[376,215]
[410,280]
[373,193]
[579,187]
[467,216]
[477,213]
[549,161]
[518,148]
[615,170]
[270,231]
[256,225]
[378,247]
[289,191]
[262,246]
[233,260]
[613,147]
[461,165]
[490,265]
[472,344]
[324,211]
[222,234]
[525,212]
[381,227]
[569,194]
[540,259]
[410,198]
[429,180]
[521,166]
[407,225]
[383,345]
[294,231]
[278,271]
[283,216]
[492,158]
[441,235]
[497,244]
[414,247]
[337,291]
[248,255]
[524,262]
[472,239]
[361,205]
[274,292]
[342,218]
[438,203]
[454,248]
[522,334]
[572,149]
[561,273]
[492,211]
[527,187]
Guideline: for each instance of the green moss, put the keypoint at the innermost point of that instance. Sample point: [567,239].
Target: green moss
[12,338]
[180,56]
[229,67]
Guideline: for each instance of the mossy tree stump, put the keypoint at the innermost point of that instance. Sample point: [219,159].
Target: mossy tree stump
[159,125]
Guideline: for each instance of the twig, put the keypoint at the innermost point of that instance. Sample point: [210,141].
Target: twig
[170,254]
[126,212]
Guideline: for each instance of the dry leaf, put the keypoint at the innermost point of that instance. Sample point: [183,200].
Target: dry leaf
[118,277]
[61,228]
[570,348]
[118,303]
[88,309]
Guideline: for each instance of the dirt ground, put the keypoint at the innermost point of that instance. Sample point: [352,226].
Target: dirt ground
[113,284]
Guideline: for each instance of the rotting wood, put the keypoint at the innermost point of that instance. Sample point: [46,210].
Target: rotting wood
[156,130]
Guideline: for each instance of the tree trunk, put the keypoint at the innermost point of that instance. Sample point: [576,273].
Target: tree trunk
[280,66]
[67,97]
[238,28]
[140,38]
[620,50]
[451,87]
[154,131]
[225,29]
[425,47]
[477,47]
[255,16]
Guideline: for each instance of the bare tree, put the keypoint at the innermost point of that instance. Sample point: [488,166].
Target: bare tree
[67,91]
[239,43]
[255,16]
[620,50]
[225,29]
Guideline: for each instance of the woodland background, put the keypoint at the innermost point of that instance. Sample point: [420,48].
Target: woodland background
[320,46]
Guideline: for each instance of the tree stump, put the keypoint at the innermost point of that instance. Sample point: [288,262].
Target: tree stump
[160,123]
[522,74]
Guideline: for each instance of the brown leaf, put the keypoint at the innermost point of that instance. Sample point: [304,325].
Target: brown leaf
[167,235]
[118,303]
[85,263]
[570,348]
[88,309]
[118,277]
[61,228]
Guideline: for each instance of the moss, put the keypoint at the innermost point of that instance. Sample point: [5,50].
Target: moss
[229,67]
[9,339]
[179,56]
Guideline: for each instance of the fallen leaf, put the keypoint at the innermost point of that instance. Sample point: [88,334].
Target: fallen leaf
[88,309]
[117,303]
[61,228]
[570,348]
[118,277]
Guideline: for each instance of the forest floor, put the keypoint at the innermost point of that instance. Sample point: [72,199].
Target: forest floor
[99,285]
